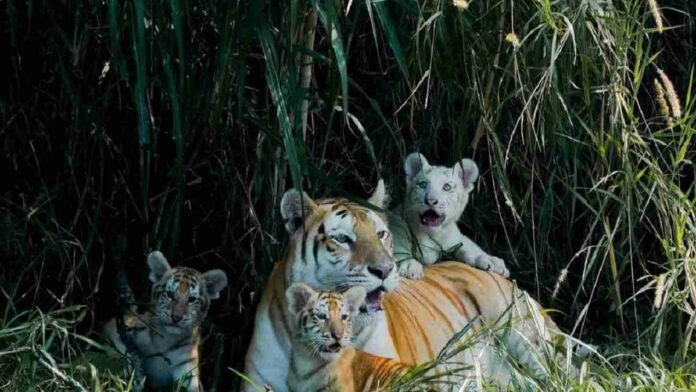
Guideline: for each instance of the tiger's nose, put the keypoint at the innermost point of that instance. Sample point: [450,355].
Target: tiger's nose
[176,318]
[381,271]
[338,335]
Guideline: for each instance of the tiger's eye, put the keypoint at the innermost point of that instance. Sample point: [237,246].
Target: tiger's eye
[381,234]
[342,239]
[447,187]
[344,317]
[422,184]
[192,300]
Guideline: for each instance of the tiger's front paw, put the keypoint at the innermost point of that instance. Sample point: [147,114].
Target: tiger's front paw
[411,269]
[487,262]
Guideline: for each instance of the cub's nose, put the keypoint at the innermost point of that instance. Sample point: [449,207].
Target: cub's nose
[176,318]
[381,271]
[338,335]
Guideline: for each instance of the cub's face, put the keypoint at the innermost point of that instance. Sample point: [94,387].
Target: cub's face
[340,244]
[437,195]
[323,319]
[181,296]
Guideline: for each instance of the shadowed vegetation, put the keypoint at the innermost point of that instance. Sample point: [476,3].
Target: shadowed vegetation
[140,125]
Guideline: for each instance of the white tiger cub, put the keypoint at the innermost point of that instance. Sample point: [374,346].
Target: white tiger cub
[167,335]
[426,222]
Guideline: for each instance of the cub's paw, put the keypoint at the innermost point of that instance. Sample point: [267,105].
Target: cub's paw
[487,262]
[411,269]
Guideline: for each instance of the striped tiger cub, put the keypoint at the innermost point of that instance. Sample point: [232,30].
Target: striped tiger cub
[322,357]
[166,337]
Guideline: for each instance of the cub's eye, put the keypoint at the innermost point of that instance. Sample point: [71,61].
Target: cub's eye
[170,295]
[321,316]
[447,187]
[422,184]
[192,300]
[342,239]
[344,317]
[381,234]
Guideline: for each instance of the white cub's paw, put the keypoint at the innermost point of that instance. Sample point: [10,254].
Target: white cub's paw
[487,262]
[411,269]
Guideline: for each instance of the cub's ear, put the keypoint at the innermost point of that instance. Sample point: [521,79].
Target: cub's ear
[468,171]
[214,281]
[294,208]
[415,163]
[379,197]
[158,266]
[298,296]
[354,298]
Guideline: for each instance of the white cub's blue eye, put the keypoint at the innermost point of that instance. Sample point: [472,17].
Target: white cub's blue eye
[447,187]
[342,239]
[422,184]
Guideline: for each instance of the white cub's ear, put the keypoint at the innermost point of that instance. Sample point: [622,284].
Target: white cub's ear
[294,208]
[354,298]
[298,296]
[415,163]
[379,197]
[158,266]
[214,281]
[468,171]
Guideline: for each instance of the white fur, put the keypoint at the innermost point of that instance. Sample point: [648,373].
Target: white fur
[444,190]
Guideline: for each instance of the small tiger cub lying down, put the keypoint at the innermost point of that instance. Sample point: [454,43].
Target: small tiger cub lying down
[322,357]
[426,222]
[167,335]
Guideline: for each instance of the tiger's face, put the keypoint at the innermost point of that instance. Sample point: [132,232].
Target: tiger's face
[436,195]
[339,244]
[324,319]
[181,296]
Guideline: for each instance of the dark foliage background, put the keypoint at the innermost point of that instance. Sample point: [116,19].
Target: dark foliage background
[133,126]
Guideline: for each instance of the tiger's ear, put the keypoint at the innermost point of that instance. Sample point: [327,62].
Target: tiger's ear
[294,208]
[354,298]
[298,296]
[158,266]
[379,197]
[467,170]
[214,281]
[414,163]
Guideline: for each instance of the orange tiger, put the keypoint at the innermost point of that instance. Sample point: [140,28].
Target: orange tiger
[335,244]
[322,358]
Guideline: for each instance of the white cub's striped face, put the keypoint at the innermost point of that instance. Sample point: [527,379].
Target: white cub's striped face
[437,195]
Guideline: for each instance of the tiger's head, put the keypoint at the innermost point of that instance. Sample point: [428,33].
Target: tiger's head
[324,319]
[436,195]
[181,296]
[337,244]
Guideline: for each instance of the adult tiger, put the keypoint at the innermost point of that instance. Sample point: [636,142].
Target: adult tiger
[335,243]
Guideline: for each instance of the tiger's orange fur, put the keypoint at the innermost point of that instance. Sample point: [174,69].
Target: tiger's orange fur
[419,317]
[322,358]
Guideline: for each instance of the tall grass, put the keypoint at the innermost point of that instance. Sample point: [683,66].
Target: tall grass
[130,126]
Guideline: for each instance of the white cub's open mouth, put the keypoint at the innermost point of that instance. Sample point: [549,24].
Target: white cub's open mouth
[431,218]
